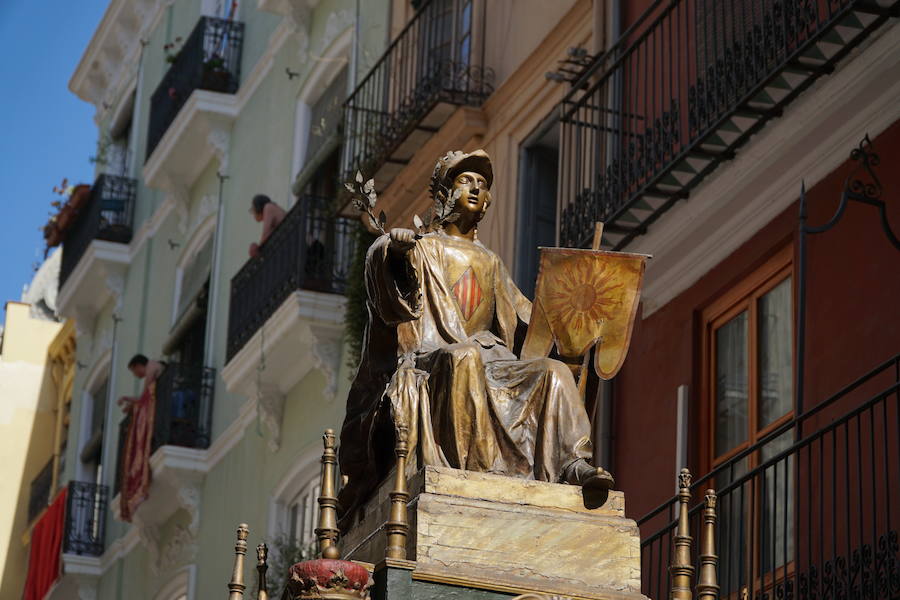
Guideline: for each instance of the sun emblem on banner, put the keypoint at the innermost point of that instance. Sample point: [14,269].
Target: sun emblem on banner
[582,295]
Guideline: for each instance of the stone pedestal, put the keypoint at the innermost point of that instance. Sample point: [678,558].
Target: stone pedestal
[489,532]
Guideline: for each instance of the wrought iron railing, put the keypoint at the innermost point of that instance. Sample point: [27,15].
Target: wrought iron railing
[810,511]
[311,249]
[106,216]
[184,398]
[437,58]
[683,87]
[85,518]
[39,494]
[210,59]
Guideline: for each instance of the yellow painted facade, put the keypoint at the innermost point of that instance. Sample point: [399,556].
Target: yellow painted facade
[29,405]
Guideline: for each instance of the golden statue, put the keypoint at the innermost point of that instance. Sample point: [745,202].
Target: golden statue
[439,359]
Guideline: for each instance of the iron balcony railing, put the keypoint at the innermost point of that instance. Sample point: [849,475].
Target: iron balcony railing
[437,58]
[809,512]
[681,90]
[183,414]
[210,59]
[106,216]
[311,249]
[85,518]
[184,397]
[39,494]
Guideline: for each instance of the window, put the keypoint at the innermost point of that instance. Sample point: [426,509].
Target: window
[538,166]
[303,514]
[749,379]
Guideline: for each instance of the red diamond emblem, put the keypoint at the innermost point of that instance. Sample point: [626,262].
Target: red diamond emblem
[468,293]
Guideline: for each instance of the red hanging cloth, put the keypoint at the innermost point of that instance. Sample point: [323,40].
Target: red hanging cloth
[46,546]
[136,457]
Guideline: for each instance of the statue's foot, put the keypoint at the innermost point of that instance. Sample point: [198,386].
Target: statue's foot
[589,477]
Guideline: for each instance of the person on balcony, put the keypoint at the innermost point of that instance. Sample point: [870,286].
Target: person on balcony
[142,368]
[269,214]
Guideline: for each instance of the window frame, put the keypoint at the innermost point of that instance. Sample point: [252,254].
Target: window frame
[744,295]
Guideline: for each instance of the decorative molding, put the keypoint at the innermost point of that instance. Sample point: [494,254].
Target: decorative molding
[271,412]
[810,141]
[92,283]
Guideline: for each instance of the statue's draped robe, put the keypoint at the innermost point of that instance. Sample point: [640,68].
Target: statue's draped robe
[468,402]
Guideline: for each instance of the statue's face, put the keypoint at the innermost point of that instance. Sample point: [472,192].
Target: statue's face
[474,196]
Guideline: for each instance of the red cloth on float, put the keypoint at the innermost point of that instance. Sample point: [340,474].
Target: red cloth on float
[46,546]
[135,480]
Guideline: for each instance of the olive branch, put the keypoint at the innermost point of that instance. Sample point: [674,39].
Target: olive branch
[439,214]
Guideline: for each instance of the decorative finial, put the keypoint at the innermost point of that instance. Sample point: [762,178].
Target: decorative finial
[707,583]
[236,586]
[682,569]
[262,556]
[684,479]
[327,532]
[397,527]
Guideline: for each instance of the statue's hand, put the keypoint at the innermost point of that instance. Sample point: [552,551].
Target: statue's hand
[402,240]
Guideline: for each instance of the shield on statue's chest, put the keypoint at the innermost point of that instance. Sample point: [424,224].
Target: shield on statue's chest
[583,298]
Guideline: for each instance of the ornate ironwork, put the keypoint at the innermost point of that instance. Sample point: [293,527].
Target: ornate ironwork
[39,495]
[311,249]
[209,60]
[85,518]
[685,85]
[184,397]
[816,519]
[107,216]
[433,60]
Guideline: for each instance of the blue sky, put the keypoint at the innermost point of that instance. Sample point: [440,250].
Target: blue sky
[48,133]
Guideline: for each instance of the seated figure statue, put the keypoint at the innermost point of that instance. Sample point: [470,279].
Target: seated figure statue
[438,358]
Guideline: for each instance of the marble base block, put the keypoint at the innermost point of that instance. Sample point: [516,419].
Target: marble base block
[499,533]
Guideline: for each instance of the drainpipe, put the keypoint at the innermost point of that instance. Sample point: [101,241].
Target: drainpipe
[605,392]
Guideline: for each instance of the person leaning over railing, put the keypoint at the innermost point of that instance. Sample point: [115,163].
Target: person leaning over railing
[269,214]
[142,368]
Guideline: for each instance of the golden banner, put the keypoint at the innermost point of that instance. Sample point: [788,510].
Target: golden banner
[585,297]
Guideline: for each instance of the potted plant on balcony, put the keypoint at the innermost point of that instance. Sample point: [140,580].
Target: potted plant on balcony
[216,76]
[76,196]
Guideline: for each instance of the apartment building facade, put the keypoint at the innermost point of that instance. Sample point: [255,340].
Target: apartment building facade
[686,127]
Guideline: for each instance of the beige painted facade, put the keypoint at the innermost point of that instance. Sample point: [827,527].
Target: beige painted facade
[524,40]
[28,404]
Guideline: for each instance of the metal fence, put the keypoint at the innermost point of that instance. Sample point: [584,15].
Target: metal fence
[107,216]
[684,86]
[438,57]
[210,59]
[184,398]
[85,518]
[812,511]
[311,249]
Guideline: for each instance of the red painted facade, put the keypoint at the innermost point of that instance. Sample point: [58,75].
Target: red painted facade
[853,324]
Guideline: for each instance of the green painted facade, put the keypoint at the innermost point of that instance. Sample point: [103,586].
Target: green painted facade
[239,487]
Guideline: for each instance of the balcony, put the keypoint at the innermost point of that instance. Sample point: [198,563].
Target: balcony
[286,308]
[95,252]
[184,398]
[192,109]
[435,65]
[809,511]
[209,60]
[686,86]
[85,518]
[310,250]
[39,495]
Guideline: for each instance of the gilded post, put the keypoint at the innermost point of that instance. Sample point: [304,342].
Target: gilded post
[236,586]
[707,580]
[327,532]
[397,527]
[682,569]
[262,588]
